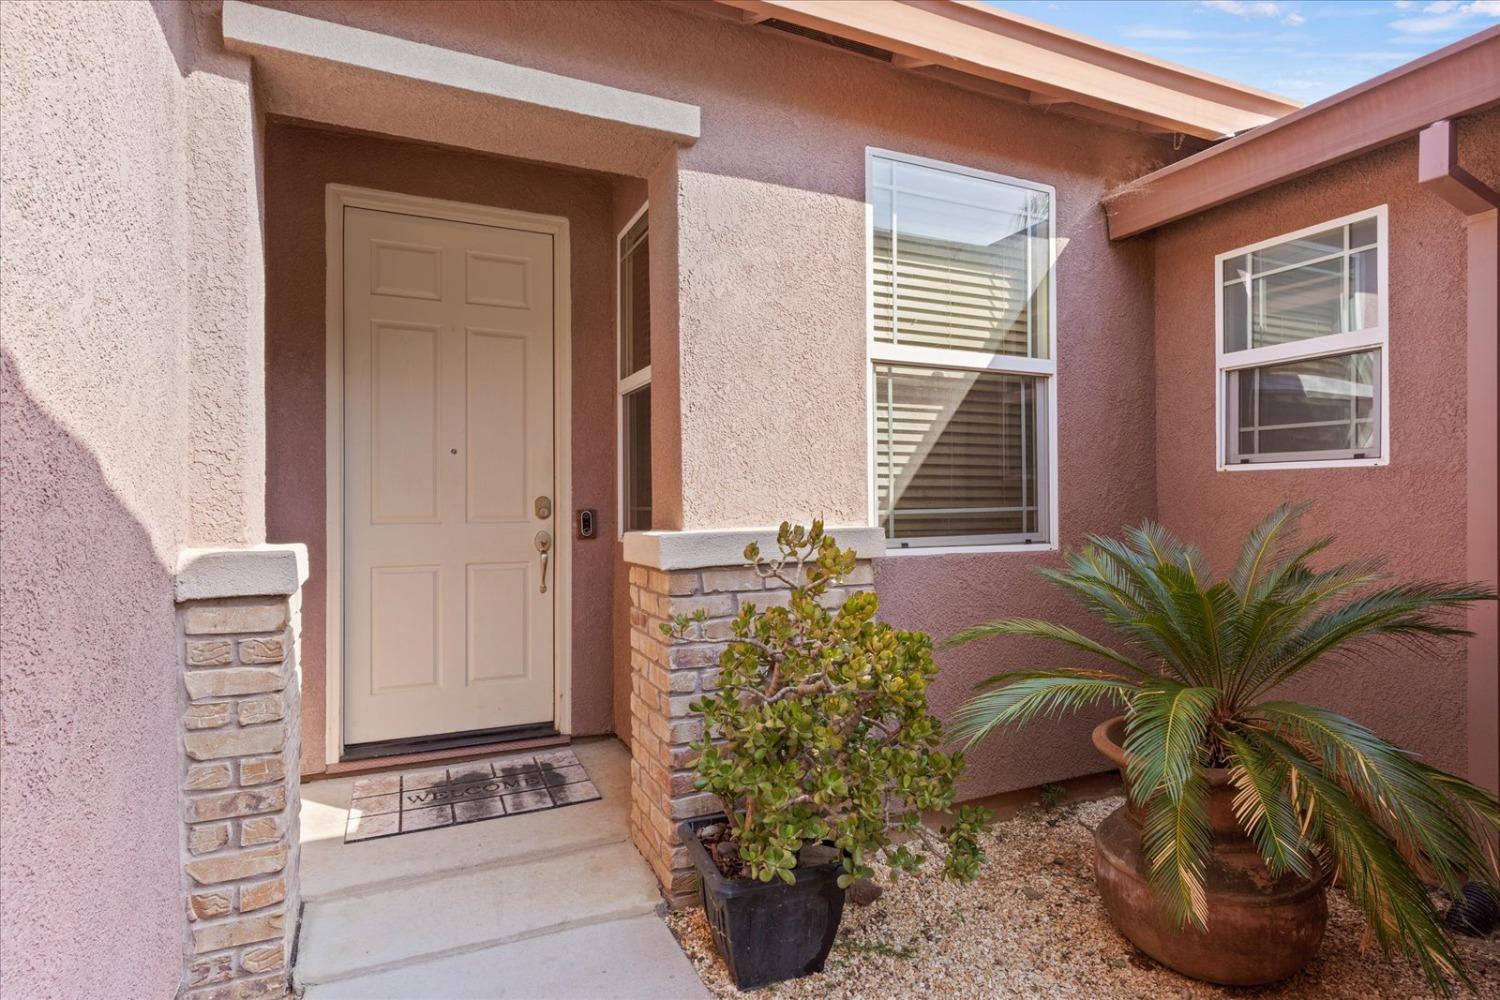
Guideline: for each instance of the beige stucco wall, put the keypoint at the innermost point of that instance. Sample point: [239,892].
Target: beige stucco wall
[118,135]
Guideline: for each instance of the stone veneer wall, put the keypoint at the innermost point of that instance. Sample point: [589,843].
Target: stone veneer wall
[240,799]
[666,677]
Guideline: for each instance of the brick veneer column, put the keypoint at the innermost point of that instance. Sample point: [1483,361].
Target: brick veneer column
[241,743]
[666,677]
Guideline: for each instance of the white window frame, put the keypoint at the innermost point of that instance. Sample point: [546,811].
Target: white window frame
[627,385]
[1376,338]
[937,357]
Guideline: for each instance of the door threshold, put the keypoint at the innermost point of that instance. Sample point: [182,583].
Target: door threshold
[492,743]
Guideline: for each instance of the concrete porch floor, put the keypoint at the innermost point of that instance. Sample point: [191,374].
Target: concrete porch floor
[551,905]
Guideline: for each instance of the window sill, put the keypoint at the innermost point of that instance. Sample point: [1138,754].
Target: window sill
[965,550]
[1333,463]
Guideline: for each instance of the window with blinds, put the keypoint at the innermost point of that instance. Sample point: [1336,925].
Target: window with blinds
[961,346]
[1302,346]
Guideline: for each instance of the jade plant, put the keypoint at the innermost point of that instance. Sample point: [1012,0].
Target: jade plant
[1197,673]
[819,731]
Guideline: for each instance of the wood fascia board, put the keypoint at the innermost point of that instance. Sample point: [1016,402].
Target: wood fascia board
[1461,79]
[248,27]
[921,35]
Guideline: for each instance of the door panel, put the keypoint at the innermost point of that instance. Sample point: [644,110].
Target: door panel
[448,441]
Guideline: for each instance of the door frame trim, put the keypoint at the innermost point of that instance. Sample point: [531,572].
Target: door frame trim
[339,197]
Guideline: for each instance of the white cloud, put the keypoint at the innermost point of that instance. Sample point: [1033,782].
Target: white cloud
[1255,8]
[1446,15]
[1244,8]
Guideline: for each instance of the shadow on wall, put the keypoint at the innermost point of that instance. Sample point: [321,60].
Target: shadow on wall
[89,705]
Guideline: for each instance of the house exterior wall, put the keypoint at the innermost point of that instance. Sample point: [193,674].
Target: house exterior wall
[300,163]
[758,302]
[1411,510]
[130,280]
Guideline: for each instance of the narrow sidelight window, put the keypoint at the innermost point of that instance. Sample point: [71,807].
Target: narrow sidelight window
[635,376]
[961,349]
[1302,341]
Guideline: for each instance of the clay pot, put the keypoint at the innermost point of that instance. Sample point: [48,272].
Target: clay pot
[1260,928]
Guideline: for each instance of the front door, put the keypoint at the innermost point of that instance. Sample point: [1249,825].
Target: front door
[449,477]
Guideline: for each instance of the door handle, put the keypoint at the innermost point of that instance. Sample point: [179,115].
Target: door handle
[544,546]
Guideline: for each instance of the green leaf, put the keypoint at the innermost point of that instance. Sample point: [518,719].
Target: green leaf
[1036,628]
[1164,737]
[1016,698]
[1264,808]
[1176,841]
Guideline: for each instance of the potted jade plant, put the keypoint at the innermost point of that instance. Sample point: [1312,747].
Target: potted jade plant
[1242,805]
[819,744]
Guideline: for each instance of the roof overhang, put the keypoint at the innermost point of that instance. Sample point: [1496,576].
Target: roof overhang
[1041,64]
[1461,79]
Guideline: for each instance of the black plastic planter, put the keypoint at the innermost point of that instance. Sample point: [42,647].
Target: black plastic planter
[767,931]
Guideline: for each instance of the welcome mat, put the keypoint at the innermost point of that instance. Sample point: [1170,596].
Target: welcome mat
[391,804]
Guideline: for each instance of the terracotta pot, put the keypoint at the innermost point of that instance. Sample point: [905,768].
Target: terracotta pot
[1260,928]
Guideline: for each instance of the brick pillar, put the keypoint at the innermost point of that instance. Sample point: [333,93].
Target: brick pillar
[666,677]
[241,744]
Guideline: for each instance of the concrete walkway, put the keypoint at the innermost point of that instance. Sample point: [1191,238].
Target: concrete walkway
[551,905]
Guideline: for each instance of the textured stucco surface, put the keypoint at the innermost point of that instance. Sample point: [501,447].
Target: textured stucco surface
[1412,510]
[758,256]
[131,416]
[300,163]
[94,433]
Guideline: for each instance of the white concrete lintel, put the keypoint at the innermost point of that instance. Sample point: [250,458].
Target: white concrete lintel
[247,26]
[252,571]
[701,549]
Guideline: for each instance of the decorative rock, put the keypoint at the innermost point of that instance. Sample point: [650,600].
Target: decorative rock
[261,770]
[220,619]
[246,864]
[207,905]
[214,969]
[262,650]
[232,933]
[262,958]
[864,892]
[262,894]
[208,715]
[203,776]
[235,742]
[269,708]
[209,652]
[272,987]
[260,830]
[237,680]
[208,837]
[244,803]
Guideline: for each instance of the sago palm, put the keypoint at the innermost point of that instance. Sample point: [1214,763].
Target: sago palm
[1316,792]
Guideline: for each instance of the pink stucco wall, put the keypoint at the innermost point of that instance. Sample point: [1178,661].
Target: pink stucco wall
[300,163]
[1412,510]
[93,430]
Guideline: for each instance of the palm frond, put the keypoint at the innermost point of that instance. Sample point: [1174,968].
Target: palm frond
[1018,697]
[1164,737]
[1391,786]
[1265,547]
[1038,629]
[1176,840]
[1395,903]
[1410,613]
[1264,808]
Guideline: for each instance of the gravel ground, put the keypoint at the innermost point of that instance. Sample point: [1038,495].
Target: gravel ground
[1032,926]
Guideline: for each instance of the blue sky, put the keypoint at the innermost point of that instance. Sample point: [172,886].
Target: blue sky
[1304,50]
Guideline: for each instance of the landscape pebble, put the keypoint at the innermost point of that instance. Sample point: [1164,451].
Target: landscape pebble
[1032,926]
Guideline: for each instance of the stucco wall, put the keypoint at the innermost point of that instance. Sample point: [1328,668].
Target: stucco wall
[91,488]
[1412,510]
[300,163]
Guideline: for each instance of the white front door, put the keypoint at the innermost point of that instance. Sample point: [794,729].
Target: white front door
[449,477]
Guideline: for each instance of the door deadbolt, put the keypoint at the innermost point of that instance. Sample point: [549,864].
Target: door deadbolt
[543,507]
